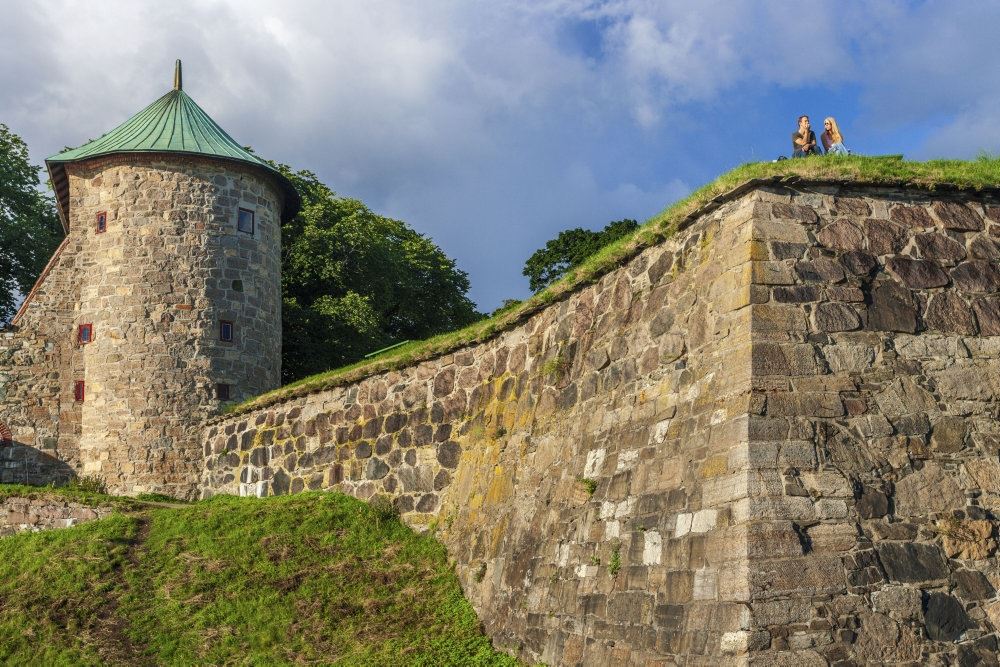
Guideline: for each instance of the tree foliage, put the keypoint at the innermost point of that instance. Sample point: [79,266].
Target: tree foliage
[354,281]
[29,224]
[570,249]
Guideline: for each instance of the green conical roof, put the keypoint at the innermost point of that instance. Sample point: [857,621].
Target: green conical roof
[172,124]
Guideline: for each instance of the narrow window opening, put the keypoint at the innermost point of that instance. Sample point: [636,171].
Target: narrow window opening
[79,391]
[102,222]
[226,331]
[85,334]
[245,222]
[224,392]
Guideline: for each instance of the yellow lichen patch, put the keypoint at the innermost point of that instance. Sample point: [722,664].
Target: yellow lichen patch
[759,251]
[498,533]
[501,487]
[715,466]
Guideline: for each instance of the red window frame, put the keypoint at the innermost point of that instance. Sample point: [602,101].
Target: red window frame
[79,391]
[89,328]
[223,391]
[222,331]
[102,222]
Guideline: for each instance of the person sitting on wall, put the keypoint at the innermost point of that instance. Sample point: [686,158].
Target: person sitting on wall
[804,140]
[833,140]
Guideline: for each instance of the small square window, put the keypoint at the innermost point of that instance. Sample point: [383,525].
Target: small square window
[102,222]
[79,391]
[245,221]
[226,331]
[85,334]
[224,392]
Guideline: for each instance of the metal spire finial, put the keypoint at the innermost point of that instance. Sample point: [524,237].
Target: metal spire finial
[178,83]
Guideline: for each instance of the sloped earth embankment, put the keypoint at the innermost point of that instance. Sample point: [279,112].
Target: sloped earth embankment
[311,578]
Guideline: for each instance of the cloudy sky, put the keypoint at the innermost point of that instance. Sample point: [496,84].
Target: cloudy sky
[491,125]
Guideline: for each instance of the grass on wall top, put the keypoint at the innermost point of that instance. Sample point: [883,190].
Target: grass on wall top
[890,170]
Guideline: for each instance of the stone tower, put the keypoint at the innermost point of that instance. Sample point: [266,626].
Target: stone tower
[169,301]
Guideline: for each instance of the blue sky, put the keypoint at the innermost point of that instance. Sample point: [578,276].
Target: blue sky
[492,126]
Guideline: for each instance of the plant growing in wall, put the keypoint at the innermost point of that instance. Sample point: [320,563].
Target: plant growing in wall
[615,562]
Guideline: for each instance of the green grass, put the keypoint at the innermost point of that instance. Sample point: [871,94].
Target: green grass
[891,170]
[310,578]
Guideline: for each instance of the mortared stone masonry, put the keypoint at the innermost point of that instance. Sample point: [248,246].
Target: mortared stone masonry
[770,439]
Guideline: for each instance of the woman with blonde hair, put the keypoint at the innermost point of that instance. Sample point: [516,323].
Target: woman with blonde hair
[833,140]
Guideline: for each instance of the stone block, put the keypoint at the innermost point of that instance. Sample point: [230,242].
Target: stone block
[908,562]
[926,491]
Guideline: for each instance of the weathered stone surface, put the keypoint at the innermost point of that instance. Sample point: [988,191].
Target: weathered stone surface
[872,504]
[949,434]
[926,491]
[959,217]
[987,310]
[912,217]
[821,269]
[854,206]
[916,273]
[939,247]
[900,602]
[976,277]
[881,640]
[949,312]
[912,563]
[448,454]
[972,585]
[858,262]
[841,235]
[885,237]
[967,538]
[836,317]
[945,618]
[984,248]
[798,212]
[797,294]
[985,474]
[892,309]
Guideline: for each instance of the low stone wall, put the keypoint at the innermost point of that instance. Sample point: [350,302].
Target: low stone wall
[19,514]
[772,439]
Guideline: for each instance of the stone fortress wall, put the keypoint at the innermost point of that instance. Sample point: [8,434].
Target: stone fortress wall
[154,286]
[771,439]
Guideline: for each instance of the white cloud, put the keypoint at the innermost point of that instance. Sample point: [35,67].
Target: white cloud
[494,125]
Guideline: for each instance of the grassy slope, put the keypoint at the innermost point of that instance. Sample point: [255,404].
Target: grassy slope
[310,578]
[976,174]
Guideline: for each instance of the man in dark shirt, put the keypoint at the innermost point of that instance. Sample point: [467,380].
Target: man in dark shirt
[804,140]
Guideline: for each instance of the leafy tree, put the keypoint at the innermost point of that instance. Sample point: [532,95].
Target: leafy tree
[29,225]
[354,281]
[570,249]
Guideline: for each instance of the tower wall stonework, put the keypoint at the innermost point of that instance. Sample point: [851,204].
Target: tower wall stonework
[155,286]
[771,439]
